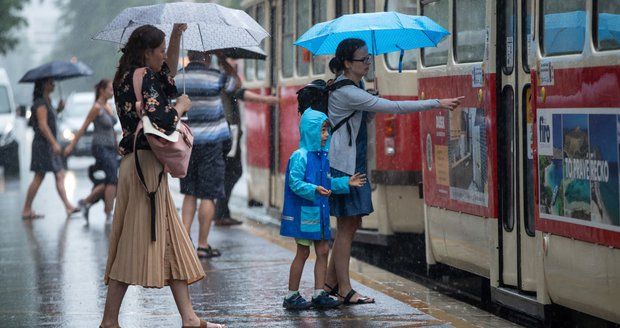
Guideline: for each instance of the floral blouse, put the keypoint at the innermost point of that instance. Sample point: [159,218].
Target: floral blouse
[158,89]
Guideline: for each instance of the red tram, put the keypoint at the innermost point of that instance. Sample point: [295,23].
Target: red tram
[520,184]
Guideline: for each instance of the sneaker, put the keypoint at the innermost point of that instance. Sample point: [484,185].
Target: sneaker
[85,208]
[323,301]
[296,302]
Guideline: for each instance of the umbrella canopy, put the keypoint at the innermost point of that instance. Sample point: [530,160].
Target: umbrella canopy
[209,26]
[245,53]
[383,32]
[57,70]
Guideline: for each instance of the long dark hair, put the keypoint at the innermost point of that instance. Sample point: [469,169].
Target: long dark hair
[39,89]
[100,86]
[345,51]
[141,39]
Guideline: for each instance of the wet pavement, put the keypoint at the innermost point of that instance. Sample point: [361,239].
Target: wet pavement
[51,271]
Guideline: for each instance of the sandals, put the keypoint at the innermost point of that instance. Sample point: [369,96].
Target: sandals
[332,291]
[33,215]
[207,253]
[73,211]
[204,324]
[360,300]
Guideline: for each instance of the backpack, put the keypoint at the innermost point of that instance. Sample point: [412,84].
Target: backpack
[316,95]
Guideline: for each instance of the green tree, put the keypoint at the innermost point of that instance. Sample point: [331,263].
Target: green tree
[10,19]
[82,20]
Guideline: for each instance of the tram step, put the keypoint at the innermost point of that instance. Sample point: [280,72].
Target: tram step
[513,299]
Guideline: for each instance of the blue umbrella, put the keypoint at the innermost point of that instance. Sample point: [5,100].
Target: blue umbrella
[57,70]
[383,32]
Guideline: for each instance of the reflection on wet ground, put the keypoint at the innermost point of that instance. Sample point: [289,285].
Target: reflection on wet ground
[51,271]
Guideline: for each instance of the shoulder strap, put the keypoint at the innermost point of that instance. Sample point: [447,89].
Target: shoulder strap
[333,87]
[339,84]
[137,89]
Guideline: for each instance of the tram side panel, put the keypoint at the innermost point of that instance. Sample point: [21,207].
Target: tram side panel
[257,130]
[577,146]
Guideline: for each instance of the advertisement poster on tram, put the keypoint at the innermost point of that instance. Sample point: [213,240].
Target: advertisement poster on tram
[578,166]
[457,160]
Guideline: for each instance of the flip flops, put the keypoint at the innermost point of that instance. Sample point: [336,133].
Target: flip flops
[33,215]
[208,252]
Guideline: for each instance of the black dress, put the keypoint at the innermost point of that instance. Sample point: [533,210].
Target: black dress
[158,89]
[43,158]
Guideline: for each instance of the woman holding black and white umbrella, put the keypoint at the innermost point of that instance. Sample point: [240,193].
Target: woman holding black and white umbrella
[46,152]
[134,256]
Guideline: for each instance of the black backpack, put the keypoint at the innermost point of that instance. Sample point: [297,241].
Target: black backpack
[316,95]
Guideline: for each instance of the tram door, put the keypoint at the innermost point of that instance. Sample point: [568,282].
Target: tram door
[514,125]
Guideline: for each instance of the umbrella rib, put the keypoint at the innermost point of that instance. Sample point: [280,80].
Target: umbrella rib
[201,39]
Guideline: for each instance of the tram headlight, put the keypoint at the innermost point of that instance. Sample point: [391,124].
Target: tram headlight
[390,133]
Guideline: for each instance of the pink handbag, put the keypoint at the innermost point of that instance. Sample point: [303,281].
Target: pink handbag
[172,151]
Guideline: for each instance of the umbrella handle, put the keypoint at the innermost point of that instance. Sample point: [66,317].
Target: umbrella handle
[181,54]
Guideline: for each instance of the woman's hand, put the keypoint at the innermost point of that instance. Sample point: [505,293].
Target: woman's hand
[68,150]
[450,103]
[61,106]
[323,192]
[56,148]
[179,28]
[357,180]
[183,104]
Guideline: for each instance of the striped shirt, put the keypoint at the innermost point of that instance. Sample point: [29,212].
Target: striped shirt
[204,87]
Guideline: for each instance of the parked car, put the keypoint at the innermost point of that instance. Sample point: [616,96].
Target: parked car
[76,109]
[9,157]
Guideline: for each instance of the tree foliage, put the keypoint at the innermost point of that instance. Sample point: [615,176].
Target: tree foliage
[82,20]
[9,20]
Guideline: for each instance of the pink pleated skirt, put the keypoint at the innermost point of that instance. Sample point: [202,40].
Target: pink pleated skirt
[132,257]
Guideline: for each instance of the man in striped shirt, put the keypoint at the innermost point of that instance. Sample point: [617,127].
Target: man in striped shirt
[205,175]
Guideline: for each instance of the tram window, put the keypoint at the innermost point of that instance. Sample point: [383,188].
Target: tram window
[369,6]
[564,26]
[260,64]
[528,181]
[319,14]
[437,11]
[410,58]
[527,34]
[607,24]
[248,68]
[287,38]
[302,25]
[506,155]
[342,7]
[508,34]
[470,31]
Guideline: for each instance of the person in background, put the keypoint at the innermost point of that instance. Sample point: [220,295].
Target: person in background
[232,147]
[104,146]
[46,151]
[205,175]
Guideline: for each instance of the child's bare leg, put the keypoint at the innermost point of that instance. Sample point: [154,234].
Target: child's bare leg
[297,267]
[321,248]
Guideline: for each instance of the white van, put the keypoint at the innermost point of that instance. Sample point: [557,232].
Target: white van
[9,157]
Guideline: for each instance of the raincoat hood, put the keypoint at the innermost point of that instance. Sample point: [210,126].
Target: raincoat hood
[310,130]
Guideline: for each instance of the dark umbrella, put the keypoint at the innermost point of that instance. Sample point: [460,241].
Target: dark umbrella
[57,70]
[244,53]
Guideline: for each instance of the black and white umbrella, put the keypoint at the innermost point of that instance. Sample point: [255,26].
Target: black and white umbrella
[245,53]
[209,26]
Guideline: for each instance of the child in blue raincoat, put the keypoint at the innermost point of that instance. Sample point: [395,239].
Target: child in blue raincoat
[305,215]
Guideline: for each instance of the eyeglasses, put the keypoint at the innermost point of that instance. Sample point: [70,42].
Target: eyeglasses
[365,60]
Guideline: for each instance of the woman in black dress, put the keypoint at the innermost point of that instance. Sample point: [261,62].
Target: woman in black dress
[45,148]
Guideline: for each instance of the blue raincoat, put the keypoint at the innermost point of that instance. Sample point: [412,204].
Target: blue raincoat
[306,213]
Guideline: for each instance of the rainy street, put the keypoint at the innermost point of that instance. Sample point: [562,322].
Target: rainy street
[52,271]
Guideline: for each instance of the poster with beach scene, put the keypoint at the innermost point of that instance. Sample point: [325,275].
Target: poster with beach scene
[578,153]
